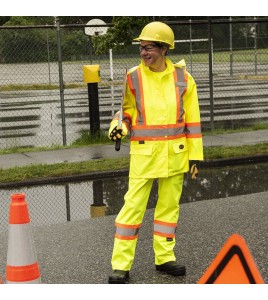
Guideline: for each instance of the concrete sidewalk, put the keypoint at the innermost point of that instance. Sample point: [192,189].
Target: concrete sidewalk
[108,151]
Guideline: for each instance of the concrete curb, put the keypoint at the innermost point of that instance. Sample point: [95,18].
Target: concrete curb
[124,172]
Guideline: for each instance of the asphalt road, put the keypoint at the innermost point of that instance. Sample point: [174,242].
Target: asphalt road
[79,252]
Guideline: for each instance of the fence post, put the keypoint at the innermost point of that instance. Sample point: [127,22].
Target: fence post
[231,47]
[255,48]
[63,124]
[112,78]
[48,58]
[98,208]
[68,208]
[191,49]
[211,75]
[92,77]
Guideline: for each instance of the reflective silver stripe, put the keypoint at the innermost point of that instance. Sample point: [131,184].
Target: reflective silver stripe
[38,280]
[127,231]
[164,229]
[192,129]
[182,87]
[137,132]
[181,80]
[181,84]
[135,83]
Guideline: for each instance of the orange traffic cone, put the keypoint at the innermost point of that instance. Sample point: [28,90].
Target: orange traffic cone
[22,266]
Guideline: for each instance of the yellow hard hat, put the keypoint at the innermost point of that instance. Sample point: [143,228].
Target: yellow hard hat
[157,32]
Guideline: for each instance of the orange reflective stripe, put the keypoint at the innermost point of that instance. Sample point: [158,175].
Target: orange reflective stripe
[181,80]
[149,127]
[123,237]
[165,223]
[186,81]
[164,234]
[127,120]
[130,84]
[137,90]
[161,138]
[196,124]
[142,112]
[127,226]
[192,136]
[177,89]
[22,273]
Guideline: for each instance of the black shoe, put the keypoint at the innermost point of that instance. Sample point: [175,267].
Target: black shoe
[171,268]
[119,276]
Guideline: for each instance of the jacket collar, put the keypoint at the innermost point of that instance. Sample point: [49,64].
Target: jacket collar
[170,67]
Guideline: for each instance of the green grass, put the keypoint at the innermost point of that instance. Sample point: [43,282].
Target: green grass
[231,152]
[253,127]
[239,56]
[88,139]
[24,87]
[39,171]
[66,169]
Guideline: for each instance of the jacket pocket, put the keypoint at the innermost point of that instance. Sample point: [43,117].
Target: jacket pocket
[141,149]
[142,162]
[179,161]
[180,147]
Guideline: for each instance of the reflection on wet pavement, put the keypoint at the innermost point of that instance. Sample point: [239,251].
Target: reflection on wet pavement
[58,203]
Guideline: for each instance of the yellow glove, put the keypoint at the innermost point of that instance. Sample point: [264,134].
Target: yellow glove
[194,168]
[116,134]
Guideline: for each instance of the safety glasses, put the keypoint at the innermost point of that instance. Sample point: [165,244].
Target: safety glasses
[149,47]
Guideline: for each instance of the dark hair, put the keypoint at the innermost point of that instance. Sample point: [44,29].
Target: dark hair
[160,45]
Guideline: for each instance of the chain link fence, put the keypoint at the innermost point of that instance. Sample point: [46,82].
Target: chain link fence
[44,100]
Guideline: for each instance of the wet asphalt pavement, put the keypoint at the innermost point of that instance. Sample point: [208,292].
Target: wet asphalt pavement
[79,252]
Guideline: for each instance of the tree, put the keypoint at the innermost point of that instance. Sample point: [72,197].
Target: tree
[120,35]
[23,21]
[82,20]
[3,20]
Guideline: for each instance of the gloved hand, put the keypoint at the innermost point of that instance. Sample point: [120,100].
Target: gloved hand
[194,168]
[116,134]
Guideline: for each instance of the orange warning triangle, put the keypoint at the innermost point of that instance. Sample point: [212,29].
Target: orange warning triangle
[233,264]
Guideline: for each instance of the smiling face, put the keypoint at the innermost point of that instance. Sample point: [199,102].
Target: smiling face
[153,55]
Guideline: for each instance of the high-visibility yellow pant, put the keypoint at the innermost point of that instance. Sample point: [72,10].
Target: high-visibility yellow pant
[132,213]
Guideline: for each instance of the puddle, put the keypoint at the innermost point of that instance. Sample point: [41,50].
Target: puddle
[70,201]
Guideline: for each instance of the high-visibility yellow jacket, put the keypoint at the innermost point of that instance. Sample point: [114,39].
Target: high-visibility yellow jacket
[161,114]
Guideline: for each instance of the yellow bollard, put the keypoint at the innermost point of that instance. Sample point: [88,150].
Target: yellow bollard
[91,73]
